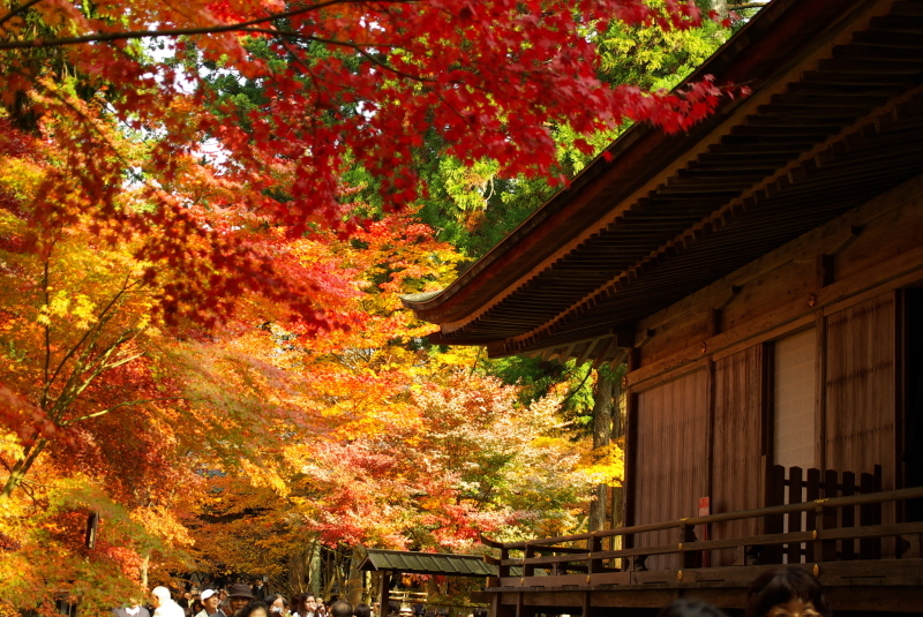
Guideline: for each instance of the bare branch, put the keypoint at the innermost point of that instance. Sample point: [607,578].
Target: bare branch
[71,393]
[119,363]
[103,412]
[47,363]
[101,37]
[18,10]
[101,321]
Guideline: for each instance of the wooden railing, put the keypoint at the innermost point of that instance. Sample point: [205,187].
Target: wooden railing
[830,534]
[800,486]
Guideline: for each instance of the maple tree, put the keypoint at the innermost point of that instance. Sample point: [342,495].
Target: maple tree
[98,412]
[88,416]
[170,247]
[342,85]
[395,443]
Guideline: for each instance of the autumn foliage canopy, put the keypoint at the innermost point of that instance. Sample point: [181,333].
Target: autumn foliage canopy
[341,86]
[206,215]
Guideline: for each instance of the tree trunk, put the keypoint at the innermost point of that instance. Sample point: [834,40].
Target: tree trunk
[720,7]
[619,423]
[355,583]
[145,564]
[603,399]
[22,466]
[302,568]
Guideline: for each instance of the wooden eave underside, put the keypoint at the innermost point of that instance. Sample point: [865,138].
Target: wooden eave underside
[832,128]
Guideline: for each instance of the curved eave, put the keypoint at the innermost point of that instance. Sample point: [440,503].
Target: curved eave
[835,121]
[756,55]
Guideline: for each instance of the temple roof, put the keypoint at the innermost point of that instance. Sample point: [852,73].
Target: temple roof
[833,120]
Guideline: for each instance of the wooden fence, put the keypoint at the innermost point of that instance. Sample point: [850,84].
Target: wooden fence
[817,517]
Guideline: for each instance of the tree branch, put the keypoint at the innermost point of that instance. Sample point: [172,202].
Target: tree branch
[47,363]
[71,394]
[18,10]
[101,37]
[101,320]
[577,389]
[103,412]
[22,466]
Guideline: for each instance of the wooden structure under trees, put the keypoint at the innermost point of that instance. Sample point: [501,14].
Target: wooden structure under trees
[763,276]
[392,564]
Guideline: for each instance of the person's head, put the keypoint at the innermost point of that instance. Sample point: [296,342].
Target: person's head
[341,608]
[239,595]
[690,608]
[159,596]
[363,610]
[276,604]
[786,592]
[210,600]
[307,605]
[257,608]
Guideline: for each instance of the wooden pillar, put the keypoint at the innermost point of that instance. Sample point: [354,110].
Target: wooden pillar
[498,609]
[384,595]
[820,396]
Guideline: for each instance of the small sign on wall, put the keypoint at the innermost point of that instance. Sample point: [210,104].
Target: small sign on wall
[704,506]
[705,510]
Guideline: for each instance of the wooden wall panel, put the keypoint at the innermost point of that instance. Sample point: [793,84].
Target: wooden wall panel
[737,466]
[870,246]
[860,391]
[669,459]
[860,380]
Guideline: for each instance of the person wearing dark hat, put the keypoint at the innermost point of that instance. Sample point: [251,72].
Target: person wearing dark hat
[240,596]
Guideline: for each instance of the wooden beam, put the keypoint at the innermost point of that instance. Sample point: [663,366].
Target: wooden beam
[384,596]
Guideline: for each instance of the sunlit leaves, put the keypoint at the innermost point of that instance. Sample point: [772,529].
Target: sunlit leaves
[327,88]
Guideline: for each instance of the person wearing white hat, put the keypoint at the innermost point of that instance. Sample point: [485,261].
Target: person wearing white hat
[209,599]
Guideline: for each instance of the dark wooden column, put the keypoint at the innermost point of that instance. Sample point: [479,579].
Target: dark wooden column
[384,594]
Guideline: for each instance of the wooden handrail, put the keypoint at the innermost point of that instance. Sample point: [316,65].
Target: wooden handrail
[830,502]
[577,555]
[807,506]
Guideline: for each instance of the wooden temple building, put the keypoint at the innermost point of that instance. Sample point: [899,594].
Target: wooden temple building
[762,275]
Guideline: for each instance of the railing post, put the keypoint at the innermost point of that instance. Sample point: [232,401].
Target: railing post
[824,550]
[812,493]
[794,518]
[775,489]
[528,569]
[870,514]
[594,564]
[848,515]
[690,559]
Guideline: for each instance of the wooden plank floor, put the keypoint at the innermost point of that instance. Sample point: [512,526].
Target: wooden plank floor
[891,585]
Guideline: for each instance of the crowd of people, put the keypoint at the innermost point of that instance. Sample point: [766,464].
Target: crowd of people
[239,600]
[785,592]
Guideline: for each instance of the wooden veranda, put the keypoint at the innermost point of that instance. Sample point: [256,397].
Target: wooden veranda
[829,523]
